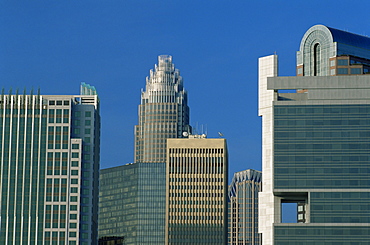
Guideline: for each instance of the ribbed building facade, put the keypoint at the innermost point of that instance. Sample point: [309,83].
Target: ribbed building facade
[243,208]
[163,112]
[49,168]
[196,199]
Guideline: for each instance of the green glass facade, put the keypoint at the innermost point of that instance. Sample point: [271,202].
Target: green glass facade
[132,203]
[322,151]
[43,170]
[22,148]
[322,146]
[321,235]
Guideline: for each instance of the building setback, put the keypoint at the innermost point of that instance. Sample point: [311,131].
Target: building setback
[243,208]
[315,145]
[163,112]
[49,155]
[196,186]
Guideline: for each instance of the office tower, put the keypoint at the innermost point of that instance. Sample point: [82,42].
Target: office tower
[315,142]
[49,153]
[243,208]
[196,186]
[132,203]
[163,112]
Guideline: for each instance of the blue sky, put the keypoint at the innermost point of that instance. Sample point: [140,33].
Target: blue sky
[112,45]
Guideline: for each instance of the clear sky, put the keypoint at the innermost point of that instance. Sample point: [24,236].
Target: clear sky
[56,45]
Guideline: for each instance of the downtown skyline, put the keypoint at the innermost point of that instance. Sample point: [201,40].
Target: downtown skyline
[112,46]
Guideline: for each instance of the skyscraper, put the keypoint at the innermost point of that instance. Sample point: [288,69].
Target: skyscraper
[163,112]
[315,142]
[132,203]
[139,188]
[49,154]
[243,208]
[196,186]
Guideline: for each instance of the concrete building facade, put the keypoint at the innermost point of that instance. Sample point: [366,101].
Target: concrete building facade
[315,142]
[196,191]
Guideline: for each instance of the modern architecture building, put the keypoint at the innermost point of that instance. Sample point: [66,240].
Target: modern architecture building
[49,168]
[315,145]
[163,112]
[196,186]
[132,203]
[243,208]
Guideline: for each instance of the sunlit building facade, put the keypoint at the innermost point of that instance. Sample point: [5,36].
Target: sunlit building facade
[49,171]
[196,186]
[243,208]
[163,112]
[132,203]
[315,142]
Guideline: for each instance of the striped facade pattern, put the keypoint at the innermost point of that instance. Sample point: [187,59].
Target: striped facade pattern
[196,191]
[42,171]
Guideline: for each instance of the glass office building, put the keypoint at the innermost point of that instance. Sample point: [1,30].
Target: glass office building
[316,142]
[49,154]
[132,203]
[243,208]
[163,112]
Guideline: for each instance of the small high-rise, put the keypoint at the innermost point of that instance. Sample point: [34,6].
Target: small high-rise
[132,203]
[163,112]
[196,191]
[49,168]
[315,144]
[243,208]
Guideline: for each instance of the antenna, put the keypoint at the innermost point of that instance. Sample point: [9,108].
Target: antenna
[220,134]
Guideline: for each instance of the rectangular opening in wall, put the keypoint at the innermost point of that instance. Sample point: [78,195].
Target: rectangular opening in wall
[289,212]
[293,207]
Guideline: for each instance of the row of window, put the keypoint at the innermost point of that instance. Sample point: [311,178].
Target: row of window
[186,194]
[197,150]
[59,102]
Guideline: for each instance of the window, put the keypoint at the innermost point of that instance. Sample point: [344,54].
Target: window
[72,225]
[66,102]
[74,154]
[87,113]
[72,234]
[75,146]
[51,102]
[59,102]
[74,190]
[355,70]
[74,163]
[342,71]
[74,172]
[87,122]
[73,207]
[74,181]
[73,199]
[317,60]
[342,62]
